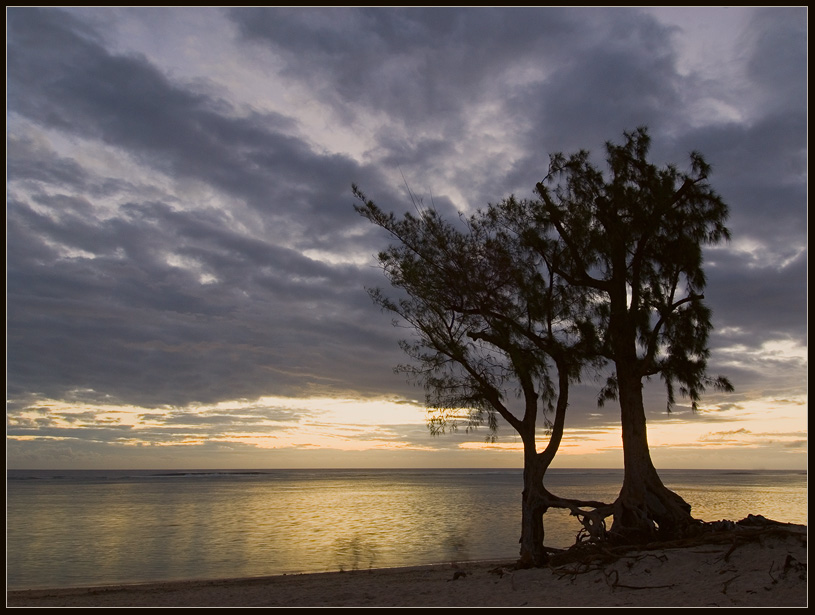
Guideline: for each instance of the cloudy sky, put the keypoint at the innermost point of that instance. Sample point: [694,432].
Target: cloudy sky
[186,273]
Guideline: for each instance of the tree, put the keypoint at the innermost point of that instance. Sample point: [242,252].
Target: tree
[487,321]
[529,293]
[633,244]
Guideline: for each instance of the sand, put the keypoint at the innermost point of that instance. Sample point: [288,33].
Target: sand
[756,571]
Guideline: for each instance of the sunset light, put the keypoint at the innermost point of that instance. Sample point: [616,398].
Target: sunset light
[454,306]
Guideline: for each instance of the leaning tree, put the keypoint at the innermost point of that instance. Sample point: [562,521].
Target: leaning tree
[632,241]
[493,337]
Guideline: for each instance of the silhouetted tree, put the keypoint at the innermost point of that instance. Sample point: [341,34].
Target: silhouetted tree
[633,244]
[526,294]
[487,324]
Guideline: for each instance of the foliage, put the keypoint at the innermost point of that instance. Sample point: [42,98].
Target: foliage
[486,318]
[634,244]
[524,296]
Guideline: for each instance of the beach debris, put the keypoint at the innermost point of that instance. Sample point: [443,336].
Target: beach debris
[790,564]
[615,583]
[585,557]
[759,520]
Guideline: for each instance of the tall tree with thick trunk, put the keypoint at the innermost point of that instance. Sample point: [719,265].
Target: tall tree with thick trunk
[633,241]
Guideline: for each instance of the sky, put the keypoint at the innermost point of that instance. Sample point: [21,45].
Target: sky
[186,273]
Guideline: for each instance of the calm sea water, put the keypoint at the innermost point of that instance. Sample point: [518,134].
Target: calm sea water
[75,528]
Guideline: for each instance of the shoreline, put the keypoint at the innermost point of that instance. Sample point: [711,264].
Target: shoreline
[767,570]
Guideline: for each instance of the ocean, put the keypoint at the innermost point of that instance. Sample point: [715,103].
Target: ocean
[93,527]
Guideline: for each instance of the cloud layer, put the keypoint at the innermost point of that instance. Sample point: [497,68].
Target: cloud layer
[179,220]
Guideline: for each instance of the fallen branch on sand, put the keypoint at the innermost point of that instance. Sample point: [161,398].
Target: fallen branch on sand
[616,583]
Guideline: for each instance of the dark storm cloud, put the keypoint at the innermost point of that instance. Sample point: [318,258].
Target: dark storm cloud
[560,77]
[133,287]
[152,333]
[758,291]
[419,65]
[119,318]
[75,85]
[777,61]
[626,79]
[761,299]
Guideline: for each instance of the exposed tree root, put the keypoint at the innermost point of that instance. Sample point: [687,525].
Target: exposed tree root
[594,555]
[591,514]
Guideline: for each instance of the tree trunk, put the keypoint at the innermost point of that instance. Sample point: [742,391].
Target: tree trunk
[533,506]
[645,509]
[536,500]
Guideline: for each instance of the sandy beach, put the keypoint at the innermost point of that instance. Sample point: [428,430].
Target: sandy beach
[758,570]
